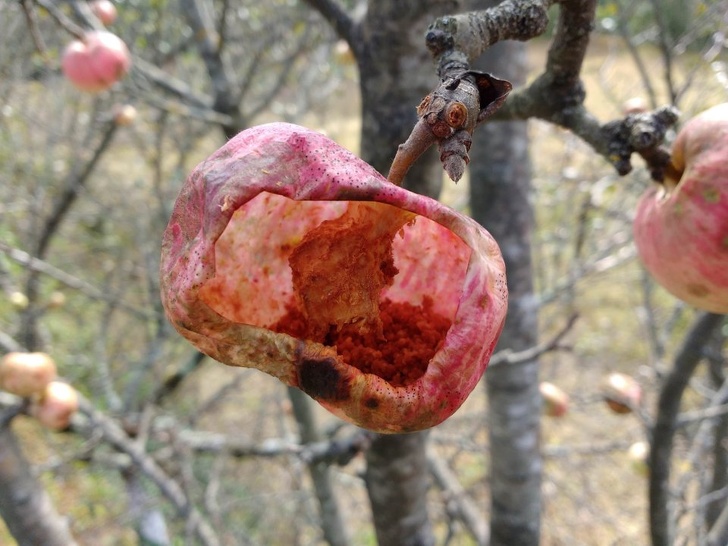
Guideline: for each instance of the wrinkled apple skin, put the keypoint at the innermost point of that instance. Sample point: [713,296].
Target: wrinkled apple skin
[26,374]
[681,228]
[225,276]
[97,62]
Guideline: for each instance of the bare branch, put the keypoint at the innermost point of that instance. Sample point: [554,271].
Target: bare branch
[668,407]
[462,506]
[343,23]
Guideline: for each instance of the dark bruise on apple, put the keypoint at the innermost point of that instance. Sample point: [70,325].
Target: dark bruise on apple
[681,226]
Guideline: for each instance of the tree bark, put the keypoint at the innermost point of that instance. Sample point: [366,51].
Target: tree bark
[24,504]
[394,77]
[500,182]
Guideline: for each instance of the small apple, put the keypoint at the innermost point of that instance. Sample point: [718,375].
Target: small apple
[638,454]
[57,299]
[555,400]
[97,62]
[104,10]
[681,225]
[124,114]
[26,374]
[621,392]
[635,105]
[56,405]
[19,300]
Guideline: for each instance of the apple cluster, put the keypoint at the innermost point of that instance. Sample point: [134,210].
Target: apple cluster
[34,376]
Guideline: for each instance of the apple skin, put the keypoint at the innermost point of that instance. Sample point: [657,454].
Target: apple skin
[681,226]
[555,400]
[621,392]
[56,406]
[26,374]
[97,62]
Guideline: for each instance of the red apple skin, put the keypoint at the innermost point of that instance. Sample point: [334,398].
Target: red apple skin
[26,374]
[56,406]
[681,227]
[555,400]
[104,10]
[621,392]
[97,62]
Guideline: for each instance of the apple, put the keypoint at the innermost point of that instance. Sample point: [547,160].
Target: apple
[681,225]
[26,374]
[278,221]
[638,454]
[124,114]
[97,62]
[635,105]
[104,10]
[56,405]
[19,300]
[621,392]
[555,400]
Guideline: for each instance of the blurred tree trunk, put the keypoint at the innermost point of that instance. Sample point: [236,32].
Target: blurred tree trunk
[500,181]
[24,504]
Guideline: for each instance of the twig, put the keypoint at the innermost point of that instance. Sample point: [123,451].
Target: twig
[668,408]
[41,266]
[508,357]
[462,506]
[117,438]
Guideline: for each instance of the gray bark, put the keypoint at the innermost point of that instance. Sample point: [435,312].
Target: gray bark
[500,187]
[24,505]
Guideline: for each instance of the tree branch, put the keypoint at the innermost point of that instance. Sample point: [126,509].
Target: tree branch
[668,408]
[342,22]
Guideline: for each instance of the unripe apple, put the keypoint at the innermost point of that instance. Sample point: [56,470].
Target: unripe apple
[97,62]
[56,405]
[621,392]
[19,300]
[104,10]
[681,226]
[26,374]
[555,400]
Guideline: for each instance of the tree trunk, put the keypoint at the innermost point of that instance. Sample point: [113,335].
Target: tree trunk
[24,504]
[500,181]
[395,74]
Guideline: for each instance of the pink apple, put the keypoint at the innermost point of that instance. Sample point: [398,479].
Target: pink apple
[105,10]
[280,223]
[681,225]
[97,62]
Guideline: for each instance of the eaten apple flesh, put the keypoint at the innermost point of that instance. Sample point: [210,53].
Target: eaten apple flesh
[681,225]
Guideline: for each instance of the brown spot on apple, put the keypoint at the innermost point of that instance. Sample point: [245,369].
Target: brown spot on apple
[320,379]
[698,290]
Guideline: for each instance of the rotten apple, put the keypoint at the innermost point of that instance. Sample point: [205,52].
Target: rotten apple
[97,62]
[289,254]
[681,225]
[26,374]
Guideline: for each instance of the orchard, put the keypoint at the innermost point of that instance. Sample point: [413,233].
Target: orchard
[363,272]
